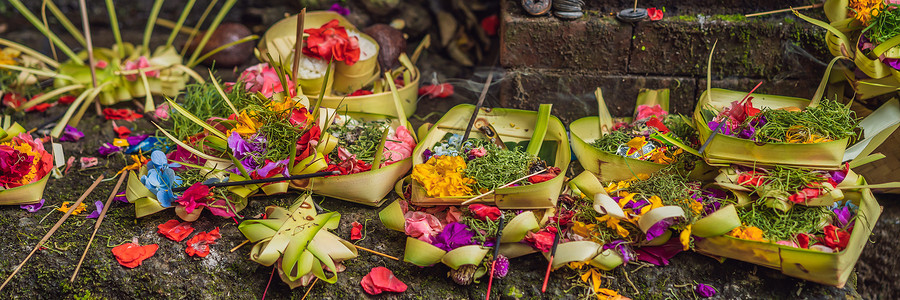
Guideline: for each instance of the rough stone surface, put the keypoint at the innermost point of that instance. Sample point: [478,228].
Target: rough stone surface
[584,44]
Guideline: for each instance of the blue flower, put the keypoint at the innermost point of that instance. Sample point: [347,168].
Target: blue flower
[161,179]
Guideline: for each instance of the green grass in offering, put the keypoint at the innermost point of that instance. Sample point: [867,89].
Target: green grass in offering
[498,167]
[610,142]
[777,225]
[884,26]
[829,119]
[361,139]
[203,101]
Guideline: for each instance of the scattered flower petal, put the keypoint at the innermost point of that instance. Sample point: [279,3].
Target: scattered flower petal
[34,207]
[96,214]
[355,231]
[132,255]
[175,230]
[381,279]
[199,244]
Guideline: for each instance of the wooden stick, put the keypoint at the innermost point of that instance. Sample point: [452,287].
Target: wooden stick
[90,45]
[310,288]
[298,45]
[376,252]
[503,186]
[484,91]
[97,226]
[239,245]
[783,10]
[53,229]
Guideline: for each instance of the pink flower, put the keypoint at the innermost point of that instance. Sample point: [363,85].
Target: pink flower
[398,146]
[646,111]
[478,152]
[422,225]
[195,196]
[141,63]
[162,111]
[264,79]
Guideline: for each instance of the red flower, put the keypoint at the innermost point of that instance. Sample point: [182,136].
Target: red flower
[13,100]
[483,212]
[40,107]
[804,195]
[835,237]
[380,279]
[122,131]
[443,90]
[66,99]
[131,255]
[195,196]
[490,24]
[199,244]
[656,123]
[551,173]
[360,93]
[750,179]
[543,239]
[331,42]
[121,114]
[655,14]
[803,240]
[356,231]
[175,230]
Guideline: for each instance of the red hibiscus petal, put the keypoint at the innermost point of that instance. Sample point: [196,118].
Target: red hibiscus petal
[122,131]
[483,212]
[199,244]
[132,255]
[175,230]
[382,279]
[356,231]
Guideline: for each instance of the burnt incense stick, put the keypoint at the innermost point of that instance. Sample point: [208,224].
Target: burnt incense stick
[550,263]
[264,180]
[53,229]
[97,225]
[484,91]
[496,254]
[722,124]
[783,10]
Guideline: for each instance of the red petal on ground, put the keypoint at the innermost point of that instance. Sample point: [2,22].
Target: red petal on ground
[131,255]
[443,90]
[380,279]
[199,244]
[356,231]
[175,230]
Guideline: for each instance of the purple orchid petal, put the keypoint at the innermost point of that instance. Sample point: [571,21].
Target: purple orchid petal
[660,255]
[339,9]
[136,139]
[453,236]
[705,291]
[96,213]
[843,216]
[659,228]
[121,198]
[108,148]
[725,130]
[71,134]
[33,207]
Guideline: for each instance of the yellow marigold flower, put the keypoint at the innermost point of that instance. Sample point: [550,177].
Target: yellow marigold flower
[8,56]
[583,229]
[65,208]
[615,186]
[246,125]
[752,233]
[442,176]
[685,237]
[26,149]
[614,224]
[865,10]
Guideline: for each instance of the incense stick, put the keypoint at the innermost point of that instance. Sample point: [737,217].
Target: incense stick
[484,91]
[502,186]
[264,180]
[550,263]
[376,252]
[90,45]
[310,288]
[239,245]
[496,254]
[53,230]
[97,226]
[722,124]
[783,10]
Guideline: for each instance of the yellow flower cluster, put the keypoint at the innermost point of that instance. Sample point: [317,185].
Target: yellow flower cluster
[246,125]
[8,56]
[442,176]
[752,233]
[865,10]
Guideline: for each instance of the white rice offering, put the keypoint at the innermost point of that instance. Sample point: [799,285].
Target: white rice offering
[367,48]
[312,68]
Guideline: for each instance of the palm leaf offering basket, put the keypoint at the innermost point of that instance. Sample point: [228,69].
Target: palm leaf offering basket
[609,166]
[515,127]
[817,266]
[279,41]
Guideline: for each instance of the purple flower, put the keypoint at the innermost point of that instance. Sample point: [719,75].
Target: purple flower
[838,176]
[455,235]
[659,228]
[711,207]
[705,291]
[266,169]
[636,205]
[622,247]
[339,9]
[893,62]
[502,266]
[108,148]
[95,214]
[121,198]
[33,207]
[725,130]
[660,255]
[71,134]
[843,216]
[136,139]
[747,133]
[758,122]
[427,154]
